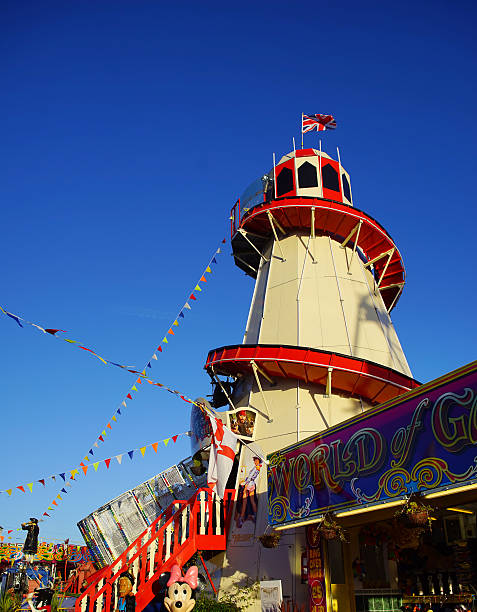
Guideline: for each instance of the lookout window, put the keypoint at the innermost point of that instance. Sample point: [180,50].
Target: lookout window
[330,178]
[346,187]
[284,181]
[307,176]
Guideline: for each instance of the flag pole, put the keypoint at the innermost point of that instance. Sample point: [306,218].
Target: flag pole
[296,166]
[302,130]
[274,178]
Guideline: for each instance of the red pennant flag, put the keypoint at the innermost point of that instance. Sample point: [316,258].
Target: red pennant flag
[129,395]
[84,467]
[107,462]
[42,481]
[159,348]
[192,297]
[54,331]
[223,241]
[174,438]
[10,531]
[101,438]
[21,488]
[45,514]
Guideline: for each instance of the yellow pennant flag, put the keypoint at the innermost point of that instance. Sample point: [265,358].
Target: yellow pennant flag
[95,465]
[208,270]
[9,491]
[104,432]
[175,323]
[59,497]
[73,473]
[30,486]
[143,450]
[165,340]
[70,341]
[197,288]
[143,372]
[166,441]
[114,418]
[134,388]
[86,458]
[50,508]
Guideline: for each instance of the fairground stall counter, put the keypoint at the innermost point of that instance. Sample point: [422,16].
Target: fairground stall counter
[387,502]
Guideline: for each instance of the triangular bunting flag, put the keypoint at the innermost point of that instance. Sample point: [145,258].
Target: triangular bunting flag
[214,261]
[21,488]
[159,348]
[86,458]
[109,425]
[197,288]
[123,403]
[166,441]
[186,305]
[139,381]
[165,340]
[149,364]
[64,490]
[208,270]
[134,388]
[10,531]
[118,411]
[9,491]
[42,480]
[175,323]
[101,438]
[103,432]
[192,297]
[174,438]
[54,502]
[143,450]
[30,486]
[223,241]
[130,453]
[129,396]
[107,462]
[84,468]
[113,418]
[59,497]
[203,279]
[91,451]
[45,514]
[154,356]
[143,372]
[95,465]
[96,444]
[50,508]
[154,446]
[171,332]
[181,314]
[119,458]
[53,478]
[73,473]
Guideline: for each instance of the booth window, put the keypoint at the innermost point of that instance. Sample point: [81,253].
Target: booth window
[346,187]
[307,176]
[330,178]
[284,181]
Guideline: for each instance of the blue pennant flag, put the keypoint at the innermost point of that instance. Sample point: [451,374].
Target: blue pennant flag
[181,314]
[118,411]
[63,476]
[14,317]
[214,260]
[130,453]
[91,451]
[149,364]
[64,491]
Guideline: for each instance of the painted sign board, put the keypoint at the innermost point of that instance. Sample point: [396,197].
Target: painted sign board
[316,570]
[423,440]
[47,552]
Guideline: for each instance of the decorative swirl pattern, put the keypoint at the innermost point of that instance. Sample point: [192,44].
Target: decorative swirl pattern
[277,509]
[275,459]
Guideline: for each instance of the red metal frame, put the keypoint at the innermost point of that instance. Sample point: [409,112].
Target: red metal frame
[358,377]
[336,219]
[139,552]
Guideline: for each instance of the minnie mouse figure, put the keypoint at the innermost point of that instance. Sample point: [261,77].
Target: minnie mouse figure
[181,589]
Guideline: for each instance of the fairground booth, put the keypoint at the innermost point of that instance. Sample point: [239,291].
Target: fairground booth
[387,502]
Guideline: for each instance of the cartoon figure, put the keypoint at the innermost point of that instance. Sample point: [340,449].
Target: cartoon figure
[180,594]
[248,492]
[126,599]
[242,424]
[30,548]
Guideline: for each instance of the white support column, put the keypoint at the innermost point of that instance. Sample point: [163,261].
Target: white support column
[270,218]
[312,234]
[244,234]
[391,253]
[328,382]
[356,229]
[255,373]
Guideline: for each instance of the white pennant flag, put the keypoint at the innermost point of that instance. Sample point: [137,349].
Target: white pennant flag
[119,458]
[222,455]
[154,356]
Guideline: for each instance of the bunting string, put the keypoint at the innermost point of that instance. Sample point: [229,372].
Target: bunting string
[142,374]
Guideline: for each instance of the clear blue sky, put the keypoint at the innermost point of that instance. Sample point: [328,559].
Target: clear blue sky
[128,129]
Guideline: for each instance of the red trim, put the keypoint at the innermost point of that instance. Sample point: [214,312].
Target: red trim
[332,218]
[359,377]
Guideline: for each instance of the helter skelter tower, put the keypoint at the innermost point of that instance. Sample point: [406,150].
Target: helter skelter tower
[319,344]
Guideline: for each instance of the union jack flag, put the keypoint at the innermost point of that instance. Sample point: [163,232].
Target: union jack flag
[318,122]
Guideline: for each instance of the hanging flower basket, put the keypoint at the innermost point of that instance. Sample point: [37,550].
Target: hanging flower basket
[329,528]
[269,540]
[415,513]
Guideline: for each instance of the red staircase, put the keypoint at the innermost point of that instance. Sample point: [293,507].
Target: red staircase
[201,523]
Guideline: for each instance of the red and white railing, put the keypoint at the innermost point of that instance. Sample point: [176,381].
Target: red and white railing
[201,523]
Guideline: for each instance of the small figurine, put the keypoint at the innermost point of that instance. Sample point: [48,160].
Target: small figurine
[181,589]
[30,548]
[126,599]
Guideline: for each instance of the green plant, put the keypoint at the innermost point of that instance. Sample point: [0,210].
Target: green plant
[56,602]
[330,529]
[10,602]
[206,603]
[415,512]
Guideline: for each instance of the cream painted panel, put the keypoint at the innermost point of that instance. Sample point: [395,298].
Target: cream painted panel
[256,306]
[333,330]
[279,323]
